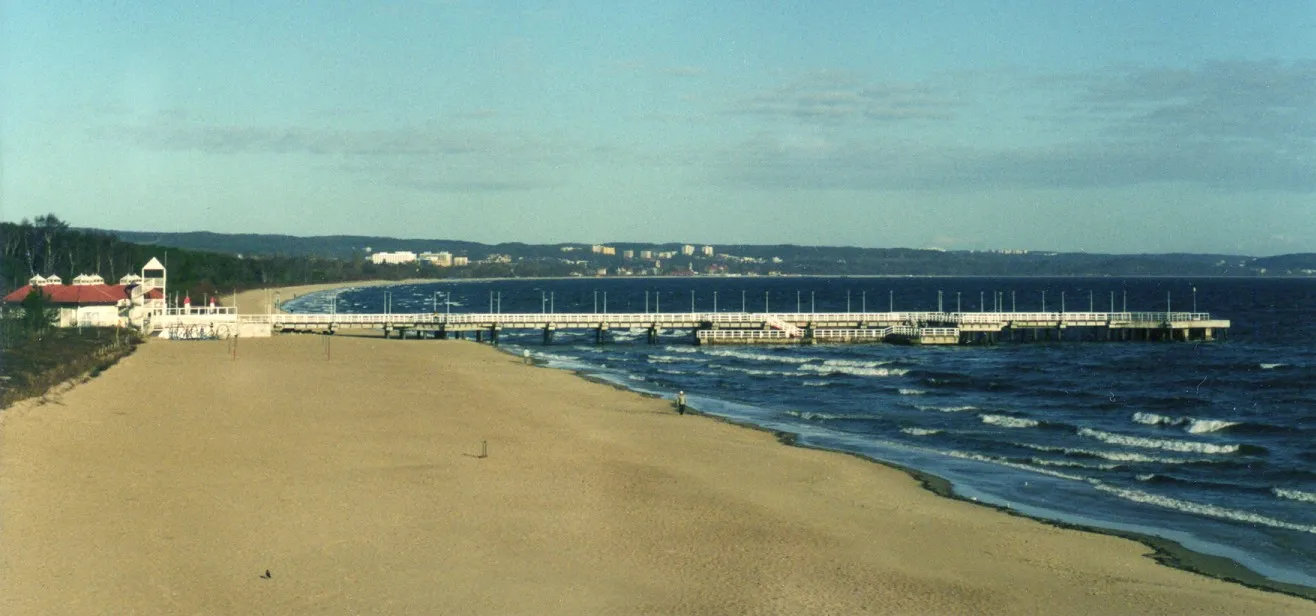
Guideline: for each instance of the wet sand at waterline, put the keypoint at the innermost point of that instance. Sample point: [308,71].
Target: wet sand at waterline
[172,482]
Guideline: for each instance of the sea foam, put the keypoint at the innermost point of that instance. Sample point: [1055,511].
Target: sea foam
[853,370]
[1006,421]
[1192,425]
[1214,511]
[786,359]
[1297,495]
[1157,443]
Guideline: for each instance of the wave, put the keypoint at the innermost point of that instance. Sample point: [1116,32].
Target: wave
[816,383]
[820,416]
[681,349]
[755,371]
[1073,464]
[851,363]
[1193,425]
[1157,443]
[1272,366]
[1016,465]
[911,392]
[665,371]
[921,431]
[1115,456]
[946,409]
[667,359]
[1297,495]
[1006,421]
[1214,511]
[761,356]
[852,370]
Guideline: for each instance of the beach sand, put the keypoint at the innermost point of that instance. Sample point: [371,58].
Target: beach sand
[173,481]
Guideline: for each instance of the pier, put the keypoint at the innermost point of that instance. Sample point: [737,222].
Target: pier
[774,328]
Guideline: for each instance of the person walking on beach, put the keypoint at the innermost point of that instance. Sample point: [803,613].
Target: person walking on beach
[680,402]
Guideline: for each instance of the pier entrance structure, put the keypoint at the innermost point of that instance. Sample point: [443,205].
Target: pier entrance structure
[779,328]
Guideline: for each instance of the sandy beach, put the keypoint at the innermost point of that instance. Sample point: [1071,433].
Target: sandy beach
[172,482]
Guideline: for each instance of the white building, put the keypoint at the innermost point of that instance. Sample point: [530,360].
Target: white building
[441,259]
[688,250]
[393,258]
[708,251]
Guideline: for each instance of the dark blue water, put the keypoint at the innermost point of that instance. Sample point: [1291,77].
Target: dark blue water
[1207,444]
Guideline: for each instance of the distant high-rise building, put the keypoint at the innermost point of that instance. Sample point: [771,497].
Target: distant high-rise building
[708,251]
[687,250]
[646,254]
[459,261]
[628,254]
[608,250]
[441,259]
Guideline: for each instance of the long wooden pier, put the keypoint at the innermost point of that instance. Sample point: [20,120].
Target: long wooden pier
[778,328]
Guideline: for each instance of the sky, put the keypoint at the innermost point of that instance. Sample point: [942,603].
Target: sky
[1113,126]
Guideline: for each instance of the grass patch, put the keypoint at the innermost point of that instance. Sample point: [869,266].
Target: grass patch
[31,367]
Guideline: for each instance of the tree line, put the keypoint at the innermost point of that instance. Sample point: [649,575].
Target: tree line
[47,245]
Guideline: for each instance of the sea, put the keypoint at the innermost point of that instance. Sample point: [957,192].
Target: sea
[1206,443]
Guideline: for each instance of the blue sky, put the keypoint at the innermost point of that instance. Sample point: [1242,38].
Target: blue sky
[1106,127]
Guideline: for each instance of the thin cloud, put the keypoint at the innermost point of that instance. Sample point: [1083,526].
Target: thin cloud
[831,96]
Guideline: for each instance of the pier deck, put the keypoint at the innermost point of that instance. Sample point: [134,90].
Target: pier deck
[779,328]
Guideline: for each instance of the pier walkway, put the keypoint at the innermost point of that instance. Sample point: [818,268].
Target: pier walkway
[779,328]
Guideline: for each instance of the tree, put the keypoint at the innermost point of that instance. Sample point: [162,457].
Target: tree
[39,314]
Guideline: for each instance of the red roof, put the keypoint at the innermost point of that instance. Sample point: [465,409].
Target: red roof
[75,294]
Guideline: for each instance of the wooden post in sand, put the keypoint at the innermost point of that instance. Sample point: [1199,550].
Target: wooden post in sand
[484,449]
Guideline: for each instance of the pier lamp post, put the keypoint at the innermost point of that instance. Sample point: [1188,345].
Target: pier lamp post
[714,301]
[863,302]
[500,302]
[1194,299]
[957,303]
[812,305]
[543,303]
[605,302]
[596,301]
[1062,302]
[939,302]
[1126,301]
[551,308]
[797,301]
[491,302]
[742,300]
[765,302]
[891,301]
[847,301]
[692,301]
[1112,301]
[1043,301]
[981,307]
[1013,306]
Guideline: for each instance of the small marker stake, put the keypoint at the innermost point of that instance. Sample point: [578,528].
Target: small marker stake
[484,449]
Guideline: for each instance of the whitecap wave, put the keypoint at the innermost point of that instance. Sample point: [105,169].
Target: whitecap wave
[1006,421]
[1202,426]
[754,371]
[820,416]
[853,370]
[1157,443]
[1272,366]
[1073,464]
[945,409]
[911,392]
[1016,465]
[854,363]
[1297,495]
[1114,456]
[681,349]
[1214,511]
[920,431]
[786,359]
[1193,425]
[816,383]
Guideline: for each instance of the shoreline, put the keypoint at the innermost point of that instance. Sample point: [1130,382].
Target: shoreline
[1165,552]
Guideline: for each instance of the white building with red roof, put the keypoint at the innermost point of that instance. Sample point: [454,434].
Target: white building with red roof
[92,303]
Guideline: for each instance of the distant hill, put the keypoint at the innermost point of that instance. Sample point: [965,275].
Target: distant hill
[753,259]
